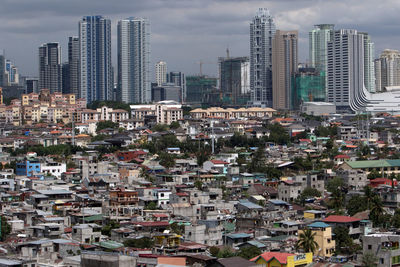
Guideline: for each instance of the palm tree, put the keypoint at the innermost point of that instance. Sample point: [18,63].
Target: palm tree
[369,195]
[376,210]
[306,241]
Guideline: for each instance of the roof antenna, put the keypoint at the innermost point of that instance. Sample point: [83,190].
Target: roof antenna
[227,52]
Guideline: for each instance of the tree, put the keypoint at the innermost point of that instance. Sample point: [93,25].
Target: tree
[334,184]
[167,160]
[308,192]
[176,228]
[226,252]
[214,251]
[198,184]
[160,128]
[106,124]
[257,163]
[249,252]
[278,134]
[5,228]
[174,125]
[344,242]
[151,206]
[106,230]
[396,219]
[369,260]
[307,241]
[144,242]
[356,204]
[377,211]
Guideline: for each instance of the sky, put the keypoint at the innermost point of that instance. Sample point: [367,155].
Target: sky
[184,32]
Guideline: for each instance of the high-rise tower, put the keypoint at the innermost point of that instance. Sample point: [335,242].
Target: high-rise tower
[161,73]
[262,30]
[284,67]
[387,69]
[134,60]
[50,68]
[95,58]
[73,65]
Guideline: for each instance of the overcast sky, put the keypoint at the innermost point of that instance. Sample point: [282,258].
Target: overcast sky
[187,31]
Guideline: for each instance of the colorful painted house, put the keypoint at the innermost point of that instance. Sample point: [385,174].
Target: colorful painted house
[280,259]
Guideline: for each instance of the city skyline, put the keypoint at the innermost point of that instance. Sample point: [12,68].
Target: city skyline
[182,28]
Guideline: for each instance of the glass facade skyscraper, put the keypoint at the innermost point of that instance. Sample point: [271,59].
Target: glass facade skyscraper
[95,59]
[262,31]
[134,60]
[50,68]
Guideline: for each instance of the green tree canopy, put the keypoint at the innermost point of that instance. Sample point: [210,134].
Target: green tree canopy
[307,241]
[106,124]
[249,252]
[144,242]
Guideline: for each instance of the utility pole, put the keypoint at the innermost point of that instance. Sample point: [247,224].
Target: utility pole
[212,137]
[73,129]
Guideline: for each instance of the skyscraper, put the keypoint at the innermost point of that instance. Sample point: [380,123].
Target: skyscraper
[262,30]
[345,68]
[95,58]
[134,60]
[318,45]
[73,65]
[369,56]
[284,66]
[50,68]
[387,69]
[234,78]
[178,78]
[11,76]
[161,72]
[2,65]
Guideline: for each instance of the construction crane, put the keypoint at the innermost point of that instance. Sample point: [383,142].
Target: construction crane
[201,63]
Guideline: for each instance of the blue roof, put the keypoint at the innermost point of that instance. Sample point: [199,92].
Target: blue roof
[318,225]
[278,202]
[239,235]
[256,244]
[249,205]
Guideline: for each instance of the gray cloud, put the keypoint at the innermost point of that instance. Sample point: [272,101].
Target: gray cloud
[186,31]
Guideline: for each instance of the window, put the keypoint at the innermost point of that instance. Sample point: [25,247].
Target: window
[369,247]
[381,260]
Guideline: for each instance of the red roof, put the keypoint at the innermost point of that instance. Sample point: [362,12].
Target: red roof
[215,161]
[152,224]
[279,256]
[305,140]
[160,215]
[342,157]
[340,219]
[182,194]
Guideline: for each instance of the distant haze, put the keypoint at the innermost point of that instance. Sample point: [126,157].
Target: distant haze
[187,31]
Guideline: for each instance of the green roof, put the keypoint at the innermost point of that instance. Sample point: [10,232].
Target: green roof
[94,218]
[109,244]
[362,164]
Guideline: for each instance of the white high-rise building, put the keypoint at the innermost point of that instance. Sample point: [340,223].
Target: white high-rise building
[96,81]
[369,70]
[134,60]
[161,73]
[262,30]
[345,70]
[387,69]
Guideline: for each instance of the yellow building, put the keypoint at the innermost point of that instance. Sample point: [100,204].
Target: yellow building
[323,237]
[280,259]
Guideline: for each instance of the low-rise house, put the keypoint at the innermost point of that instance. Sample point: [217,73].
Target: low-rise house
[352,223]
[323,237]
[384,246]
[86,233]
